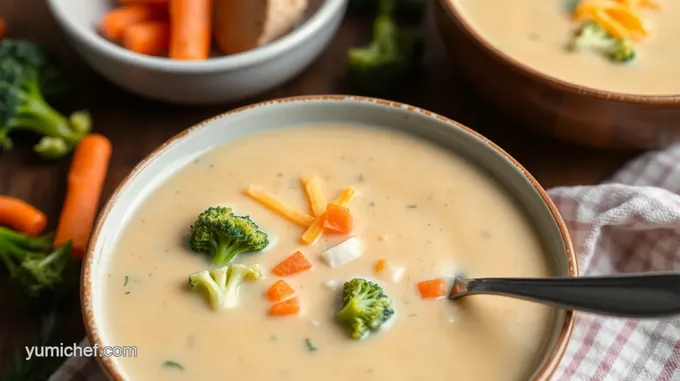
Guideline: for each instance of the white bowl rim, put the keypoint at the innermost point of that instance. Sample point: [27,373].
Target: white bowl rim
[299,35]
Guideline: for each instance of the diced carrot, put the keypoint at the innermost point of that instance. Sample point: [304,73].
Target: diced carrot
[274,204]
[312,187]
[149,37]
[86,176]
[285,308]
[113,24]
[432,289]
[294,264]
[337,219]
[279,291]
[21,216]
[380,266]
[191,25]
[315,231]
[3,28]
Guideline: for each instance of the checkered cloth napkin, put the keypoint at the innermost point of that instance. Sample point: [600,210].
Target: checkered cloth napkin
[630,223]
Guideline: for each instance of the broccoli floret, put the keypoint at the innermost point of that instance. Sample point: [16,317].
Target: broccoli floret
[32,263]
[24,76]
[391,60]
[591,37]
[222,284]
[27,53]
[222,235]
[365,307]
[406,10]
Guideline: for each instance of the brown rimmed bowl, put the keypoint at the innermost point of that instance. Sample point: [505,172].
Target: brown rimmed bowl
[290,112]
[561,109]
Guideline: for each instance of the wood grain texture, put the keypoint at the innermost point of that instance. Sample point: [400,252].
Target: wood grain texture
[136,126]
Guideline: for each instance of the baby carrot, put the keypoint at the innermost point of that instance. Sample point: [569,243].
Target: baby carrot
[149,37]
[294,264]
[84,186]
[190,25]
[21,216]
[287,307]
[113,24]
[3,28]
[279,291]
[432,289]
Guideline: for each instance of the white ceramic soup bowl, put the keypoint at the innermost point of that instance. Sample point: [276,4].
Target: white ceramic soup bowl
[320,110]
[221,79]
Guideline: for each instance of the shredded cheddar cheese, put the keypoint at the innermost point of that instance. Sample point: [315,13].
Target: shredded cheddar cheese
[315,231]
[314,225]
[274,204]
[312,187]
[620,18]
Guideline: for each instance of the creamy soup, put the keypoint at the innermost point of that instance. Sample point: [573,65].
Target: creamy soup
[536,33]
[417,205]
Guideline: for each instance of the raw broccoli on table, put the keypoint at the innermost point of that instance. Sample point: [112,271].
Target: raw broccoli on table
[26,76]
[222,284]
[223,235]
[365,307]
[591,37]
[33,265]
[407,10]
[390,60]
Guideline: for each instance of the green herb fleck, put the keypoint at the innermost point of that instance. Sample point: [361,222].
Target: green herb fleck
[126,281]
[310,346]
[127,292]
[412,206]
[173,364]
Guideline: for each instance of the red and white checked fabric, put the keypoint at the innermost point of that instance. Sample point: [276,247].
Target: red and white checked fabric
[630,223]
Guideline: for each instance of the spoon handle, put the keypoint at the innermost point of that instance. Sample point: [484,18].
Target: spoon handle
[636,296]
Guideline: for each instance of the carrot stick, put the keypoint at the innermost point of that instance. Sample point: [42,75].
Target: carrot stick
[113,24]
[285,308]
[432,289]
[190,23]
[149,37]
[3,28]
[280,291]
[84,186]
[21,216]
[294,264]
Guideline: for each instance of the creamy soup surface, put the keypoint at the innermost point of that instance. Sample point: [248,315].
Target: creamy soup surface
[536,32]
[417,205]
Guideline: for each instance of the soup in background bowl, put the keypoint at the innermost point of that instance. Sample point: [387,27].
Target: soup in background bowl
[525,57]
[428,199]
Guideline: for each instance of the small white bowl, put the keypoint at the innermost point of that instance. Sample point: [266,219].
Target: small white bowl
[215,80]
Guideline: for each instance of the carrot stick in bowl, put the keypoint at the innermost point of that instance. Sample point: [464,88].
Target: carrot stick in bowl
[190,27]
[113,24]
[3,28]
[150,37]
[21,216]
[85,181]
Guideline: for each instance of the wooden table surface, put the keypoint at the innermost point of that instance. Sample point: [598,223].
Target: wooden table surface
[136,126]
